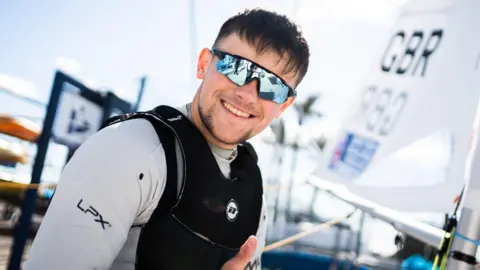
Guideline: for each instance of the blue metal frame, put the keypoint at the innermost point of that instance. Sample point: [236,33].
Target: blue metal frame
[108,101]
[22,230]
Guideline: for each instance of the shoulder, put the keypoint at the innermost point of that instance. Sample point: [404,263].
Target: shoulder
[138,132]
[126,153]
[123,146]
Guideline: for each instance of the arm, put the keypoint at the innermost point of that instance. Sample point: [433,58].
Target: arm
[99,196]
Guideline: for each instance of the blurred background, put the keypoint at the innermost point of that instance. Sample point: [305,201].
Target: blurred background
[111,46]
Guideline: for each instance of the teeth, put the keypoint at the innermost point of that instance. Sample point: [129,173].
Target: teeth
[235,110]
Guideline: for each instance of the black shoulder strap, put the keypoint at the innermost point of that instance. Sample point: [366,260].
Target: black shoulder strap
[118,118]
[169,197]
[167,139]
[249,147]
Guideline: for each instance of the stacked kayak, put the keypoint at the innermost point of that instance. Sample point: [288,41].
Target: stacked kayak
[12,190]
[12,153]
[12,186]
[19,128]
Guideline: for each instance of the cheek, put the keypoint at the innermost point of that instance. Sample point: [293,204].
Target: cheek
[271,110]
[215,82]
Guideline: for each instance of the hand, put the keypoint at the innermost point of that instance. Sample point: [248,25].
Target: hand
[244,255]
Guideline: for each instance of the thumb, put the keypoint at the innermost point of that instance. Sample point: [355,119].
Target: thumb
[243,256]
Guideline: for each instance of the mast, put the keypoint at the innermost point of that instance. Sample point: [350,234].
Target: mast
[192,19]
[467,234]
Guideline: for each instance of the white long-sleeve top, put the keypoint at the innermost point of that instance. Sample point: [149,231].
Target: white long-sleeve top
[104,177]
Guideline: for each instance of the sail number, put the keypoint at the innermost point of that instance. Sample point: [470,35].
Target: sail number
[380,109]
[410,52]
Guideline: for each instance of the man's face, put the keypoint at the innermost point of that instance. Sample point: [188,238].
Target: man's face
[232,113]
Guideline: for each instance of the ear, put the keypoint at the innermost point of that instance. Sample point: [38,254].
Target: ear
[284,106]
[204,60]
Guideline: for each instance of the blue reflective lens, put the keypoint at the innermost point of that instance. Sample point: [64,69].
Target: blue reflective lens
[242,71]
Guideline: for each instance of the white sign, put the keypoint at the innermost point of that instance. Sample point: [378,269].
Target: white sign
[76,120]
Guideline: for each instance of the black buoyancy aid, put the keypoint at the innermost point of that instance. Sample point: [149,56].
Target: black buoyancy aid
[212,216]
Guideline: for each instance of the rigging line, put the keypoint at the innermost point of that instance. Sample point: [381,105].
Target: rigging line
[18,185]
[300,235]
[446,244]
[458,202]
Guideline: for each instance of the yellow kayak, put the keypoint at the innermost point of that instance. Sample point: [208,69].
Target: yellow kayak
[20,128]
[12,153]
[12,191]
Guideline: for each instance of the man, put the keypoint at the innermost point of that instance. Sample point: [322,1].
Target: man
[116,205]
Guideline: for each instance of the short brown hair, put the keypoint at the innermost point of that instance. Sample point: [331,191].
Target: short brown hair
[267,30]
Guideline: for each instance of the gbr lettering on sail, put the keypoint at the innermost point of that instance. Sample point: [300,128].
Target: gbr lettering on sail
[392,109]
[408,54]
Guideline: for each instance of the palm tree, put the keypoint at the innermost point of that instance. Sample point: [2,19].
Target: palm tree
[304,110]
[278,129]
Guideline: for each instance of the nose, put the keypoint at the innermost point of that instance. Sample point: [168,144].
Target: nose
[248,93]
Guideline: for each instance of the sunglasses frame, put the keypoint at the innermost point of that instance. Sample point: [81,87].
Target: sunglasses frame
[221,54]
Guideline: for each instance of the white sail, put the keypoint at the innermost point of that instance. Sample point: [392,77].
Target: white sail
[422,91]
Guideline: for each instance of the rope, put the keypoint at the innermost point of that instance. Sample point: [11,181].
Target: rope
[17,185]
[300,235]
[446,243]
[278,244]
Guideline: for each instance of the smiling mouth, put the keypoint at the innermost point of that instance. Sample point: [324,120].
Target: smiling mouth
[236,111]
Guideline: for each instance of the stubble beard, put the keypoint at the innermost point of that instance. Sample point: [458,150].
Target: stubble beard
[206,117]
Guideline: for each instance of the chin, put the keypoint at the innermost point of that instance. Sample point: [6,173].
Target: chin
[230,137]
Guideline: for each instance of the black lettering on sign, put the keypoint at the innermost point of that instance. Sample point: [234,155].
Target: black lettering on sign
[380,109]
[98,217]
[408,53]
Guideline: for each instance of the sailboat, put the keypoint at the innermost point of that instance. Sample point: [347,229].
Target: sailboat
[421,95]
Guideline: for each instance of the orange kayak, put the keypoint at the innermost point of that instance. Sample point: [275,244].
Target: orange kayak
[19,128]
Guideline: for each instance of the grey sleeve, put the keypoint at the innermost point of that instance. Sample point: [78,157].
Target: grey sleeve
[105,188]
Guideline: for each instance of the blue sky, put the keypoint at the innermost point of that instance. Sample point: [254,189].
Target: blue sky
[112,43]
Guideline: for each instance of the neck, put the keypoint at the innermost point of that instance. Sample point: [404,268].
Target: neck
[197,120]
